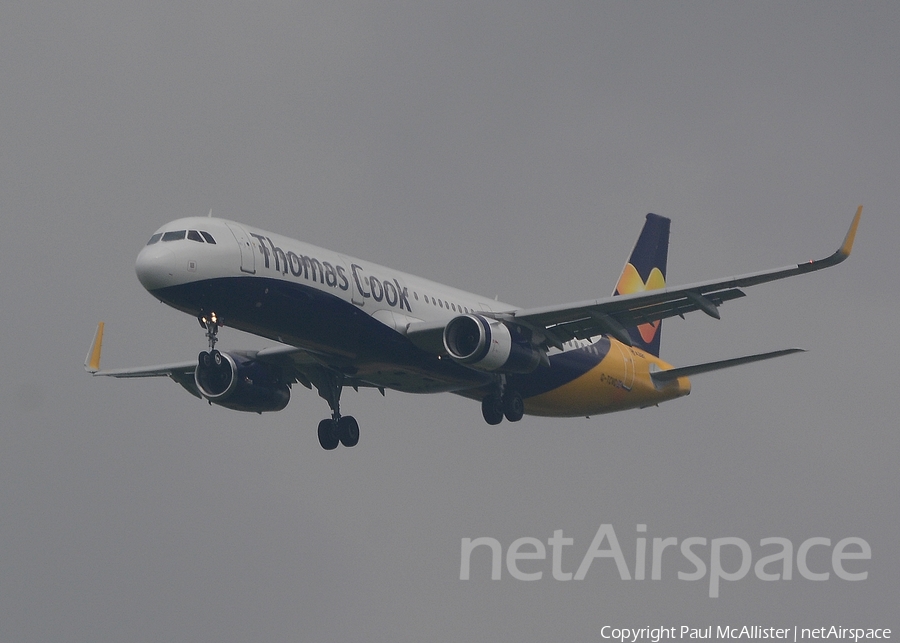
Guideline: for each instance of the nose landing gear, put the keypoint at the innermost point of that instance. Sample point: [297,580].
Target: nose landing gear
[210,322]
[211,362]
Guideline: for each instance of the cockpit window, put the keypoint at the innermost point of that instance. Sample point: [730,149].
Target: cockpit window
[176,235]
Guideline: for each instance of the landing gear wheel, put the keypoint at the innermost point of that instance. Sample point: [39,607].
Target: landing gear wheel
[492,409]
[327,434]
[348,431]
[513,406]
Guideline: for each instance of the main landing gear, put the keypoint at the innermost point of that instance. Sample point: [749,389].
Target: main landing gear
[344,430]
[506,402]
[337,429]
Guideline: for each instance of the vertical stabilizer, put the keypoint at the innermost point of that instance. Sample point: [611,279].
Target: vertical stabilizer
[646,270]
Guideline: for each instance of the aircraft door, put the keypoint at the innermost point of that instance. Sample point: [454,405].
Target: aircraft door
[248,258]
[354,275]
[628,361]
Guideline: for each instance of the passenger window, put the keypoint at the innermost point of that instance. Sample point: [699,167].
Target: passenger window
[174,235]
[193,235]
[156,237]
[208,237]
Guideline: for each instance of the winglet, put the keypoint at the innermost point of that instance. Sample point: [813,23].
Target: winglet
[92,361]
[841,253]
[847,246]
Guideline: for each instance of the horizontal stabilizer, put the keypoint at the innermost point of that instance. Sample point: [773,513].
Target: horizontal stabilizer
[685,371]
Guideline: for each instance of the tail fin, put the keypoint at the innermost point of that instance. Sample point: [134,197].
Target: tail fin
[646,270]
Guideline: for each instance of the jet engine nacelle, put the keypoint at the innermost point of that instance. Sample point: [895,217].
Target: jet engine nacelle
[240,383]
[489,345]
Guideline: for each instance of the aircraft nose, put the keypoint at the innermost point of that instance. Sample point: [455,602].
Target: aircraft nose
[155,267]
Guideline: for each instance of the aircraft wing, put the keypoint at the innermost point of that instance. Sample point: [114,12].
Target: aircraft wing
[298,364]
[612,315]
[181,372]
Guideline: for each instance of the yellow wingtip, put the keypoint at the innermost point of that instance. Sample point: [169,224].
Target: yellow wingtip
[92,361]
[847,246]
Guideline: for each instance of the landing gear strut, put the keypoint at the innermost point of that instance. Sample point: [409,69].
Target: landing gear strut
[211,324]
[337,429]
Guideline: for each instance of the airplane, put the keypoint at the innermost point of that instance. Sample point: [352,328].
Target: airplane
[344,322]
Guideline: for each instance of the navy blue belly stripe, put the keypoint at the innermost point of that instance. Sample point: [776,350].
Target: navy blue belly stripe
[564,367]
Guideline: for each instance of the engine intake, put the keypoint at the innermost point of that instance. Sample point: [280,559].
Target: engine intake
[489,345]
[240,383]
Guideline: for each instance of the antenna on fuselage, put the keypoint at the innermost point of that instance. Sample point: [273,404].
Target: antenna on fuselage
[209,216]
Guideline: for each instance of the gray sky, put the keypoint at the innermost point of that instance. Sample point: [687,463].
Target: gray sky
[510,149]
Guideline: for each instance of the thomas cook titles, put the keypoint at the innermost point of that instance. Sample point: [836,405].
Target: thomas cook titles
[390,291]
